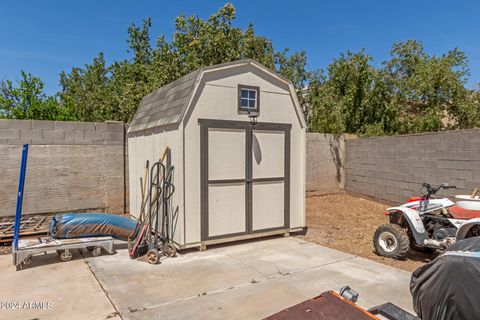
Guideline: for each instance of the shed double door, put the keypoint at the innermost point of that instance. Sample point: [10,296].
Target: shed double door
[245,174]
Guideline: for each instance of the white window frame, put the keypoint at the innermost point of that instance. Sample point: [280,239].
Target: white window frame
[247,109]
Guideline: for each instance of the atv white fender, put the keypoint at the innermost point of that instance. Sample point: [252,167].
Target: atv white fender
[414,221]
[412,217]
[463,230]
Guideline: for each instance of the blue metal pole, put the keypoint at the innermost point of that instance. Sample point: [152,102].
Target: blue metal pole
[21,184]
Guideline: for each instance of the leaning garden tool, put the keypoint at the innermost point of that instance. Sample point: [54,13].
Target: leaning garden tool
[154,228]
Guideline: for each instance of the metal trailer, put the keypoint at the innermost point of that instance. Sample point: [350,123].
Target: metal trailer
[27,248]
[24,249]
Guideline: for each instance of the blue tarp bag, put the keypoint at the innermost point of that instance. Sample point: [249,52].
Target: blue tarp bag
[82,225]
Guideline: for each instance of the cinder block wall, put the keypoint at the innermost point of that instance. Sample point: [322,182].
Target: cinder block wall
[72,166]
[393,168]
[325,158]
[80,166]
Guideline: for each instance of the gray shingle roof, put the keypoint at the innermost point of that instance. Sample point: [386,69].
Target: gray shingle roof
[165,105]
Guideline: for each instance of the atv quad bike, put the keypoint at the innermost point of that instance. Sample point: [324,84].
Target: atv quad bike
[427,224]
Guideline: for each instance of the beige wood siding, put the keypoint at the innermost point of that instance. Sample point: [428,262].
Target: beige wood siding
[226,154]
[226,211]
[150,147]
[216,98]
[268,205]
[268,154]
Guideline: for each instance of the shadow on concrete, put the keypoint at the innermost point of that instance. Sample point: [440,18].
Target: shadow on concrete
[120,245]
[50,258]
[53,258]
[233,243]
[417,256]
[240,242]
[421,256]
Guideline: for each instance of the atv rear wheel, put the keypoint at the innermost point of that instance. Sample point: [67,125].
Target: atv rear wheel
[391,241]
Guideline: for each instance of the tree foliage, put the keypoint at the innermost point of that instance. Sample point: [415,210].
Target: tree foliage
[410,92]
[114,92]
[27,100]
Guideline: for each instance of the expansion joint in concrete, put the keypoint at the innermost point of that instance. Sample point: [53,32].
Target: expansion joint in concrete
[103,289]
[252,282]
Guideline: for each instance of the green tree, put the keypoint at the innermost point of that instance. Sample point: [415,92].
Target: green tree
[86,92]
[100,92]
[411,92]
[352,98]
[28,100]
[323,112]
[429,91]
[294,68]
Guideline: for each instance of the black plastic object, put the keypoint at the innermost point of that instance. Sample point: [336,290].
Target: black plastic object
[449,286]
[392,312]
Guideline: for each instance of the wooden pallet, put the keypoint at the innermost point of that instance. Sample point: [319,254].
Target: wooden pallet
[5,249]
[35,224]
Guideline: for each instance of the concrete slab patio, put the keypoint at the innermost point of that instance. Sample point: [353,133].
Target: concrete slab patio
[50,289]
[250,280]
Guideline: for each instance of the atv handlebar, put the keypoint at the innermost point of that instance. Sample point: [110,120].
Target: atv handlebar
[431,190]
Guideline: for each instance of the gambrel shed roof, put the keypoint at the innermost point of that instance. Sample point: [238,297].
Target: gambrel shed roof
[167,105]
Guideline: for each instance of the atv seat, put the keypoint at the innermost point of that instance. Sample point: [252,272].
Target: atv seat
[458,212]
[426,206]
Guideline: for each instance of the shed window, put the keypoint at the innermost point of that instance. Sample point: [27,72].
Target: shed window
[248,99]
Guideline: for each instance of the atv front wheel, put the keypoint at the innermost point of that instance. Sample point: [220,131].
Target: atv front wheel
[391,241]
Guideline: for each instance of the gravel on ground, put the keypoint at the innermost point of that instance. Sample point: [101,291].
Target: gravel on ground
[346,222]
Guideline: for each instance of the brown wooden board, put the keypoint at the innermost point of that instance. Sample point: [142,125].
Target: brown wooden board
[326,306]
[5,249]
[29,225]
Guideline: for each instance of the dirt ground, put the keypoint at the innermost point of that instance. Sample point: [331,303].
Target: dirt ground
[347,223]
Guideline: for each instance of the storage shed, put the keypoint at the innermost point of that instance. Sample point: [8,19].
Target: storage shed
[237,138]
